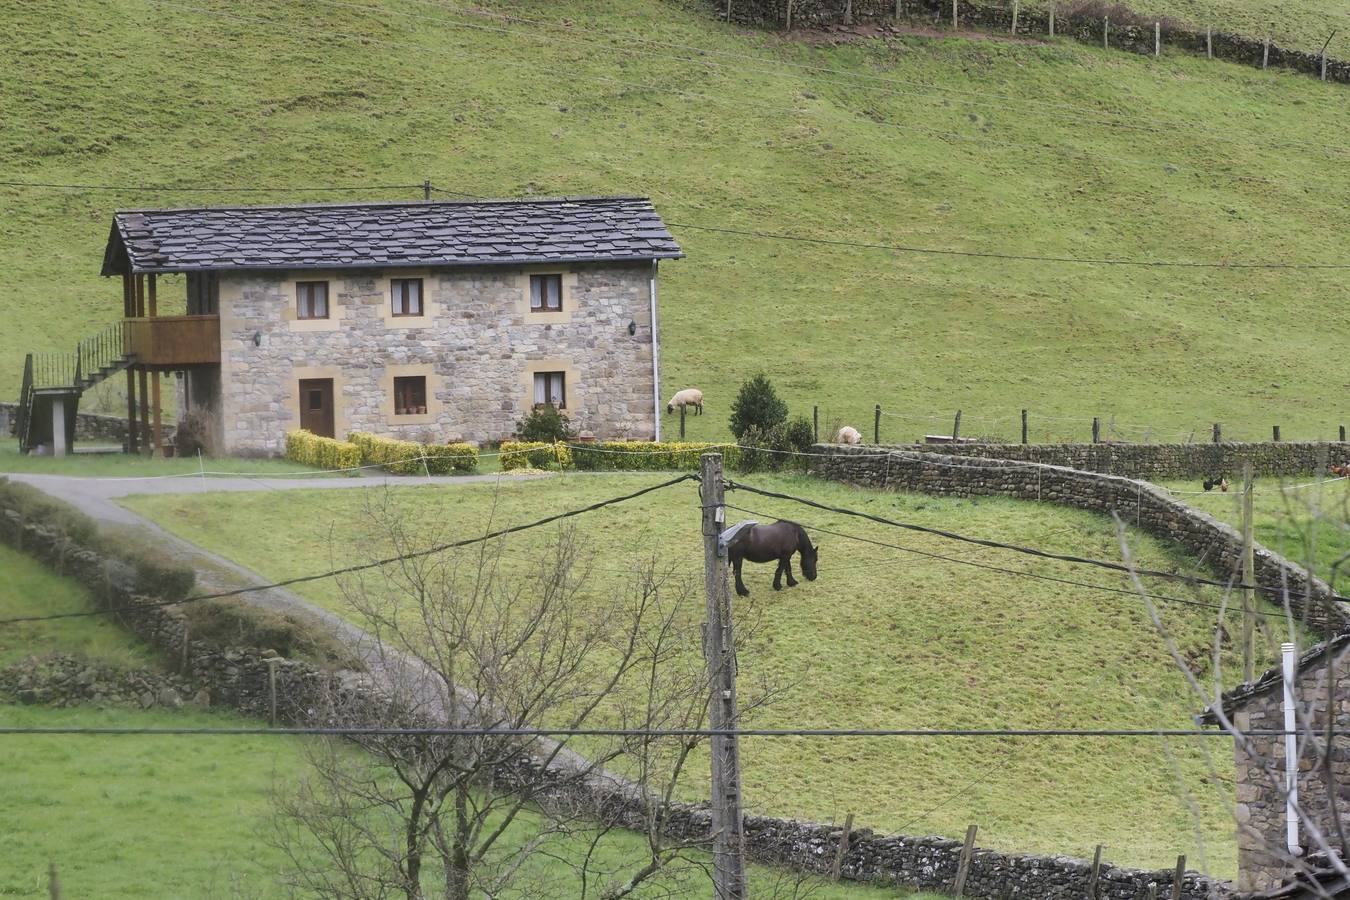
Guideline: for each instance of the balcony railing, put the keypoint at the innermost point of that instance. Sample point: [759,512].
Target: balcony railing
[173,340]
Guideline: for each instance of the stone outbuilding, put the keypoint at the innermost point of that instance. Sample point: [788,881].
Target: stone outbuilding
[434,321]
[1264,860]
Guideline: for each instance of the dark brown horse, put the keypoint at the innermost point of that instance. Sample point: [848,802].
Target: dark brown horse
[769,543]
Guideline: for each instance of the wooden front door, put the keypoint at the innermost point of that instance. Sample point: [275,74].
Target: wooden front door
[316,406]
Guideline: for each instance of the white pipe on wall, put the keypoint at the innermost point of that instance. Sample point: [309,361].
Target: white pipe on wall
[1290,751]
[656,361]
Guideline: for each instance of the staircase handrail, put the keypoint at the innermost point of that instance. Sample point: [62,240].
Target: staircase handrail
[25,403]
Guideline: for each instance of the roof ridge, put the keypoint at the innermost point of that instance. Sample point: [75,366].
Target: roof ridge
[375,204]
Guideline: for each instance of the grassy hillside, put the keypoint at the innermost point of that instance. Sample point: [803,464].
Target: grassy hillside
[1293,516]
[1018,148]
[1304,25]
[883,638]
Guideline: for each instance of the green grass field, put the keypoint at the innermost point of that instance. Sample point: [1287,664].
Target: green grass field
[109,811]
[1295,517]
[1028,147]
[884,638]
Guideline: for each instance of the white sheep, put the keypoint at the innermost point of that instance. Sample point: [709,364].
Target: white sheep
[848,435]
[687,397]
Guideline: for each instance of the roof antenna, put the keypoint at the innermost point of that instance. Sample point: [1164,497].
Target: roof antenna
[426,190]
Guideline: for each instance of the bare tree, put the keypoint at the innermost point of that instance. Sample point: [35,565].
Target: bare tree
[461,641]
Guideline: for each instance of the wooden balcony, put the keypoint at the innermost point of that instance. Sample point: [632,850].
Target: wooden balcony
[171,341]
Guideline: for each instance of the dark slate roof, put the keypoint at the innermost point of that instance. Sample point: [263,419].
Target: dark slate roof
[1271,678]
[359,235]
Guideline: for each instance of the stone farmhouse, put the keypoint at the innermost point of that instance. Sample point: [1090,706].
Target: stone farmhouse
[439,321]
[1321,698]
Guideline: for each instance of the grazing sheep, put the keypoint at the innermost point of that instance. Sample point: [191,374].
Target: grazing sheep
[687,397]
[848,435]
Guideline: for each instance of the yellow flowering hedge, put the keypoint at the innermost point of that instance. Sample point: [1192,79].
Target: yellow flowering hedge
[406,457]
[324,453]
[534,455]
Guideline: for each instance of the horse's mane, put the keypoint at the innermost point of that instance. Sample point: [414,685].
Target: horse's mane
[803,540]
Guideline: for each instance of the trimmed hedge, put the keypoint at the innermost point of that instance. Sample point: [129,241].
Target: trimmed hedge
[407,457]
[534,455]
[629,456]
[325,453]
[399,457]
[442,459]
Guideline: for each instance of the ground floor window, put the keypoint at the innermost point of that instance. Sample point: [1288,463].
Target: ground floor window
[410,395]
[550,387]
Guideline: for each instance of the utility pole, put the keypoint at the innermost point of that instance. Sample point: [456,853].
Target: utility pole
[1248,578]
[720,652]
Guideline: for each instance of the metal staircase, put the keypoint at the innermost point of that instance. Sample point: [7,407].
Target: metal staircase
[51,376]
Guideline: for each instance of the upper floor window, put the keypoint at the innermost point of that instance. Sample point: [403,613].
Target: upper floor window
[311,299]
[410,395]
[550,387]
[545,293]
[407,296]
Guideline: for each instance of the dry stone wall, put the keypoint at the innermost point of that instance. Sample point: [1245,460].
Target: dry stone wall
[1157,461]
[1136,502]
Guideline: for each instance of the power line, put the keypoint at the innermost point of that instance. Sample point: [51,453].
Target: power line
[1020,257]
[1016,548]
[652,732]
[213,189]
[360,567]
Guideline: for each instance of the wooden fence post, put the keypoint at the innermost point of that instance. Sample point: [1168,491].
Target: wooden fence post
[1095,878]
[843,848]
[1218,433]
[272,691]
[815,423]
[1096,430]
[1024,426]
[1052,20]
[956,427]
[682,408]
[848,12]
[1265,53]
[789,16]
[1106,32]
[876,425]
[1157,39]
[53,882]
[955,20]
[1153,890]
[1178,877]
[1275,433]
[1013,30]
[728,10]
[1209,42]
[898,11]
[1342,434]
[963,865]
[187,643]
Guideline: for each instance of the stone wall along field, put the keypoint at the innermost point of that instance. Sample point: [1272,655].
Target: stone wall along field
[1158,461]
[91,428]
[1136,502]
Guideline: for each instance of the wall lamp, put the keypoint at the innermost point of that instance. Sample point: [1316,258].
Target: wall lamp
[257,338]
[632,327]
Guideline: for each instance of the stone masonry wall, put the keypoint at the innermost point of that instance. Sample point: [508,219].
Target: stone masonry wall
[1136,502]
[477,345]
[1260,806]
[89,427]
[1154,461]
[239,679]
